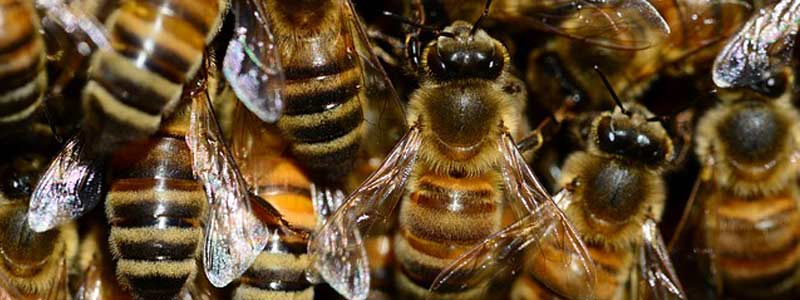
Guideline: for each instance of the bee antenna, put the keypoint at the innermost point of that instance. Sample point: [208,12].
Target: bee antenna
[611,90]
[407,21]
[481,18]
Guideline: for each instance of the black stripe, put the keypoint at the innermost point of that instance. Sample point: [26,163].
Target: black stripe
[330,129]
[289,280]
[332,164]
[294,247]
[146,213]
[320,100]
[157,250]
[157,223]
[15,79]
[20,104]
[162,157]
[156,287]
[166,63]
[133,94]
[311,71]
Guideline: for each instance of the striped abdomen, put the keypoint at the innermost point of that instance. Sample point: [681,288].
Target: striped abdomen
[279,271]
[157,45]
[22,59]
[155,207]
[322,114]
[441,217]
[756,243]
[612,268]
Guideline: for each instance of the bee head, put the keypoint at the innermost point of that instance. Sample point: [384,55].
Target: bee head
[629,134]
[461,52]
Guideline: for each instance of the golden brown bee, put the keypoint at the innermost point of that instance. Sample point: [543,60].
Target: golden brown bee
[22,64]
[279,270]
[614,194]
[34,265]
[155,207]
[450,170]
[741,223]
[697,28]
[155,47]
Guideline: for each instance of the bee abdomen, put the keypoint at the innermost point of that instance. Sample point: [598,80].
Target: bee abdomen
[156,48]
[758,244]
[442,218]
[156,233]
[276,275]
[22,58]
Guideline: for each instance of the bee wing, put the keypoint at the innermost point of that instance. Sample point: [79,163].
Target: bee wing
[630,24]
[657,279]
[337,248]
[252,62]
[73,19]
[542,237]
[72,185]
[543,243]
[697,24]
[7,290]
[764,42]
[234,235]
[383,111]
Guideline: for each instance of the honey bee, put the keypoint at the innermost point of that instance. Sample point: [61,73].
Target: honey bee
[279,270]
[326,89]
[614,194]
[448,169]
[145,54]
[697,29]
[34,264]
[22,65]
[740,224]
[156,205]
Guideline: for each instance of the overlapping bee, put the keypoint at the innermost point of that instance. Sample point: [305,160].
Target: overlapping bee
[614,194]
[23,60]
[34,265]
[331,102]
[697,30]
[154,49]
[739,229]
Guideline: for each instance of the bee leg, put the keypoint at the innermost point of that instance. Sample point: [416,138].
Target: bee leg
[545,131]
[397,46]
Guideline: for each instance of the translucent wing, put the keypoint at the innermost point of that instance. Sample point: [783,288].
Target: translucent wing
[543,241]
[764,42]
[658,280]
[696,24]
[383,111]
[77,32]
[252,62]
[234,235]
[71,186]
[629,24]
[337,249]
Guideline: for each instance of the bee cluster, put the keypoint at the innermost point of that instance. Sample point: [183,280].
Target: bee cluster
[400,149]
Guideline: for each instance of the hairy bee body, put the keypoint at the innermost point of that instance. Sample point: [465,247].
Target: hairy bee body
[441,217]
[156,46]
[454,197]
[21,64]
[752,202]
[156,209]
[322,117]
[613,269]
[279,271]
[35,264]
